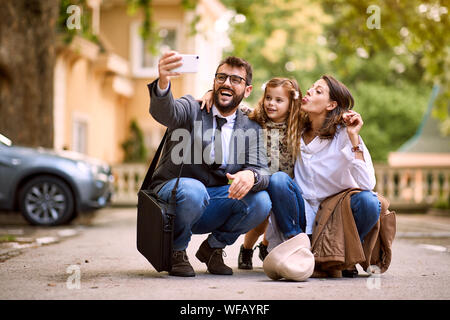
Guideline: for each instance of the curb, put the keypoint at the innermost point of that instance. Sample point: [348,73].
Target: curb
[14,248]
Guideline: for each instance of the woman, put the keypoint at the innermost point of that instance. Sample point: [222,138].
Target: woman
[332,158]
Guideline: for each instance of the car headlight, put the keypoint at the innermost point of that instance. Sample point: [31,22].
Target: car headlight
[102,177]
[83,167]
[87,167]
[94,170]
[100,172]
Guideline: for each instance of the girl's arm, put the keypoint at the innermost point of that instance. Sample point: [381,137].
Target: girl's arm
[207,100]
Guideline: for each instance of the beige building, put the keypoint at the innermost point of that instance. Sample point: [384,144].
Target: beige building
[100,89]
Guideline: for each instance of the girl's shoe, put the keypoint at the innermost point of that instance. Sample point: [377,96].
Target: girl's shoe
[245,258]
[262,251]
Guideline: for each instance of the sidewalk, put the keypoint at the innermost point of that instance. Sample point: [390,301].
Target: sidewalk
[104,259]
[425,230]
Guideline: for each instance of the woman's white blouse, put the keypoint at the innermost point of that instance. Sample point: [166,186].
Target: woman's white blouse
[328,166]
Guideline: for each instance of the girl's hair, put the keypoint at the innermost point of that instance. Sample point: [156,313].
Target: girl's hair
[341,95]
[294,129]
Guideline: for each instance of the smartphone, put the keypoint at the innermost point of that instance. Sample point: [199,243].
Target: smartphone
[190,63]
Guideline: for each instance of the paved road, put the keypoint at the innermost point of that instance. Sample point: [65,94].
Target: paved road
[96,258]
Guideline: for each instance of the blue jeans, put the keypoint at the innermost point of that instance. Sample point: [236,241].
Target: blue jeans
[203,209]
[289,209]
[366,210]
[288,206]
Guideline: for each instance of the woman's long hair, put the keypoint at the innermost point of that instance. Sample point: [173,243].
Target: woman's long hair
[338,92]
[294,129]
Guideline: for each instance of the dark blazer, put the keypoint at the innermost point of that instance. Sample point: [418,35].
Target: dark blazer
[188,141]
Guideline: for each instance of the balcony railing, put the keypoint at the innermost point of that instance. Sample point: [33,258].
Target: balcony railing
[127,182]
[409,188]
[406,188]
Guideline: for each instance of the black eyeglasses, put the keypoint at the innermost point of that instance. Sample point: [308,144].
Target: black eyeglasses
[234,79]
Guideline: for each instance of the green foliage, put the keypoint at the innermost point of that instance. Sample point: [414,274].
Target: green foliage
[413,35]
[443,204]
[85,21]
[7,238]
[134,147]
[391,115]
[389,75]
[148,30]
[189,4]
[279,38]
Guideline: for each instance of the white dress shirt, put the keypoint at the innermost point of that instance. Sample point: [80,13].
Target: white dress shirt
[326,167]
[226,132]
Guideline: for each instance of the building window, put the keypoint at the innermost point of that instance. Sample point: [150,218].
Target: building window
[145,64]
[79,137]
[168,42]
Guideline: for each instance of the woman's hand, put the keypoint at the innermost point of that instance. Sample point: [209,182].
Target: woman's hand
[354,123]
[207,101]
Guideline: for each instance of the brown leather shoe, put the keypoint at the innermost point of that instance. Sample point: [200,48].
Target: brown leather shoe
[326,274]
[334,273]
[180,265]
[319,274]
[213,259]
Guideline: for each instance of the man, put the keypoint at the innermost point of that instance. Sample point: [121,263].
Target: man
[205,201]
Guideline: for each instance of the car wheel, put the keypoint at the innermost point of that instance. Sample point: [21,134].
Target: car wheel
[46,201]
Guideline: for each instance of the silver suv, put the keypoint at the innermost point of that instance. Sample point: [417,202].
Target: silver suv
[51,187]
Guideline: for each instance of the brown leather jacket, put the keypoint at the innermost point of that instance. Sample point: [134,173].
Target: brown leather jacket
[335,240]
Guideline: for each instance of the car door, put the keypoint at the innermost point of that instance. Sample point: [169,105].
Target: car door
[9,163]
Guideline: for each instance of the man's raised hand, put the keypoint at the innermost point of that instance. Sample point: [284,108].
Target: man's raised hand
[168,61]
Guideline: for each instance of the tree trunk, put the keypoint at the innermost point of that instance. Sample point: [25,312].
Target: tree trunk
[27,57]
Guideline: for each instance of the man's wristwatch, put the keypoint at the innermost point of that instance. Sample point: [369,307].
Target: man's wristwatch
[255,176]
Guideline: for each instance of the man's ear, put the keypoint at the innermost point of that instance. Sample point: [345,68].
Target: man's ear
[332,105]
[248,90]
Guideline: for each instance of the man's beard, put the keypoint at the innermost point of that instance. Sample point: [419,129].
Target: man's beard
[230,105]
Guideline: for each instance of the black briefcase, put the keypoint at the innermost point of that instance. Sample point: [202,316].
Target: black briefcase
[154,230]
[155,220]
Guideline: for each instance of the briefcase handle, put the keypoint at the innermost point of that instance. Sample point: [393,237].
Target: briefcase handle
[152,167]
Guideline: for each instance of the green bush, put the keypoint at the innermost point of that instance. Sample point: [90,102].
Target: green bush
[134,147]
[443,204]
[391,115]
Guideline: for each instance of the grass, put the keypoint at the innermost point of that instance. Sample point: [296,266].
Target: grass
[7,238]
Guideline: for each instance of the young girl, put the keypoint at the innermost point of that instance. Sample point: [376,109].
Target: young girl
[278,112]
[332,158]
